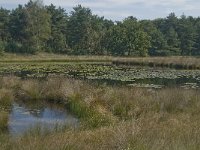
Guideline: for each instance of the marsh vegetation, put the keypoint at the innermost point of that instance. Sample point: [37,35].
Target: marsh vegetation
[111,117]
[104,105]
[113,96]
[104,72]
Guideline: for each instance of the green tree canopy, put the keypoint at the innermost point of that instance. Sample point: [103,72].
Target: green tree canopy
[79,29]
[33,28]
[38,26]
[57,41]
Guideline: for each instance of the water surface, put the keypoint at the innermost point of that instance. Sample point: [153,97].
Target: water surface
[25,117]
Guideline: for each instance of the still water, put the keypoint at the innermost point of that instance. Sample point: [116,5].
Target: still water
[24,117]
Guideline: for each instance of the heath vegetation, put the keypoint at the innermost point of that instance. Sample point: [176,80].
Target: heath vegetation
[100,71]
[110,117]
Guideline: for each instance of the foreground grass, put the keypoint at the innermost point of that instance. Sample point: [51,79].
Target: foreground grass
[6,98]
[111,117]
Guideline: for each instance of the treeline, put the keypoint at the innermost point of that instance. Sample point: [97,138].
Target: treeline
[33,28]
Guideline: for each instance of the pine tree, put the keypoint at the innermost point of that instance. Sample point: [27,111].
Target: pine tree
[4,33]
[17,29]
[173,42]
[187,35]
[79,30]
[57,42]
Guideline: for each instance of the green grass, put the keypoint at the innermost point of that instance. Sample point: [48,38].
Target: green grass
[90,116]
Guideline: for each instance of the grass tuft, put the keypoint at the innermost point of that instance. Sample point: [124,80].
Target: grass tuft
[111,117]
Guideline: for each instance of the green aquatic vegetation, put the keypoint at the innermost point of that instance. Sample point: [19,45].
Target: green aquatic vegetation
[146,85]
[190,86]
[101,72]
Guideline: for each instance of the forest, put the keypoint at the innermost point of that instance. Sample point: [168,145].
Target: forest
[35,27]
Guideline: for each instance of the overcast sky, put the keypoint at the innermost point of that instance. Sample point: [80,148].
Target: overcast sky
[119,9]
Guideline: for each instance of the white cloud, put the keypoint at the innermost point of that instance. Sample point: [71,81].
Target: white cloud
[116,9]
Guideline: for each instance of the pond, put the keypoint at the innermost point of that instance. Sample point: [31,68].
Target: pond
[143,77]
[24,117]
[110,74]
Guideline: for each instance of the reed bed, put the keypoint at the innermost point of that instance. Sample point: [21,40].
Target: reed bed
[177,62]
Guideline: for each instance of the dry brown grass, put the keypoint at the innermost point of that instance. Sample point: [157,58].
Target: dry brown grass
[170,61]
[138,119]
[3,120]
[7,57]
[165,60]
[6,98]
[178,62]
[152,132]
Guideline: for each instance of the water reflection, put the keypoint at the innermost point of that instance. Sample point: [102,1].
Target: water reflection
[23,117]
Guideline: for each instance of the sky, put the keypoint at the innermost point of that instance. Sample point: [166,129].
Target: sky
[120,9]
